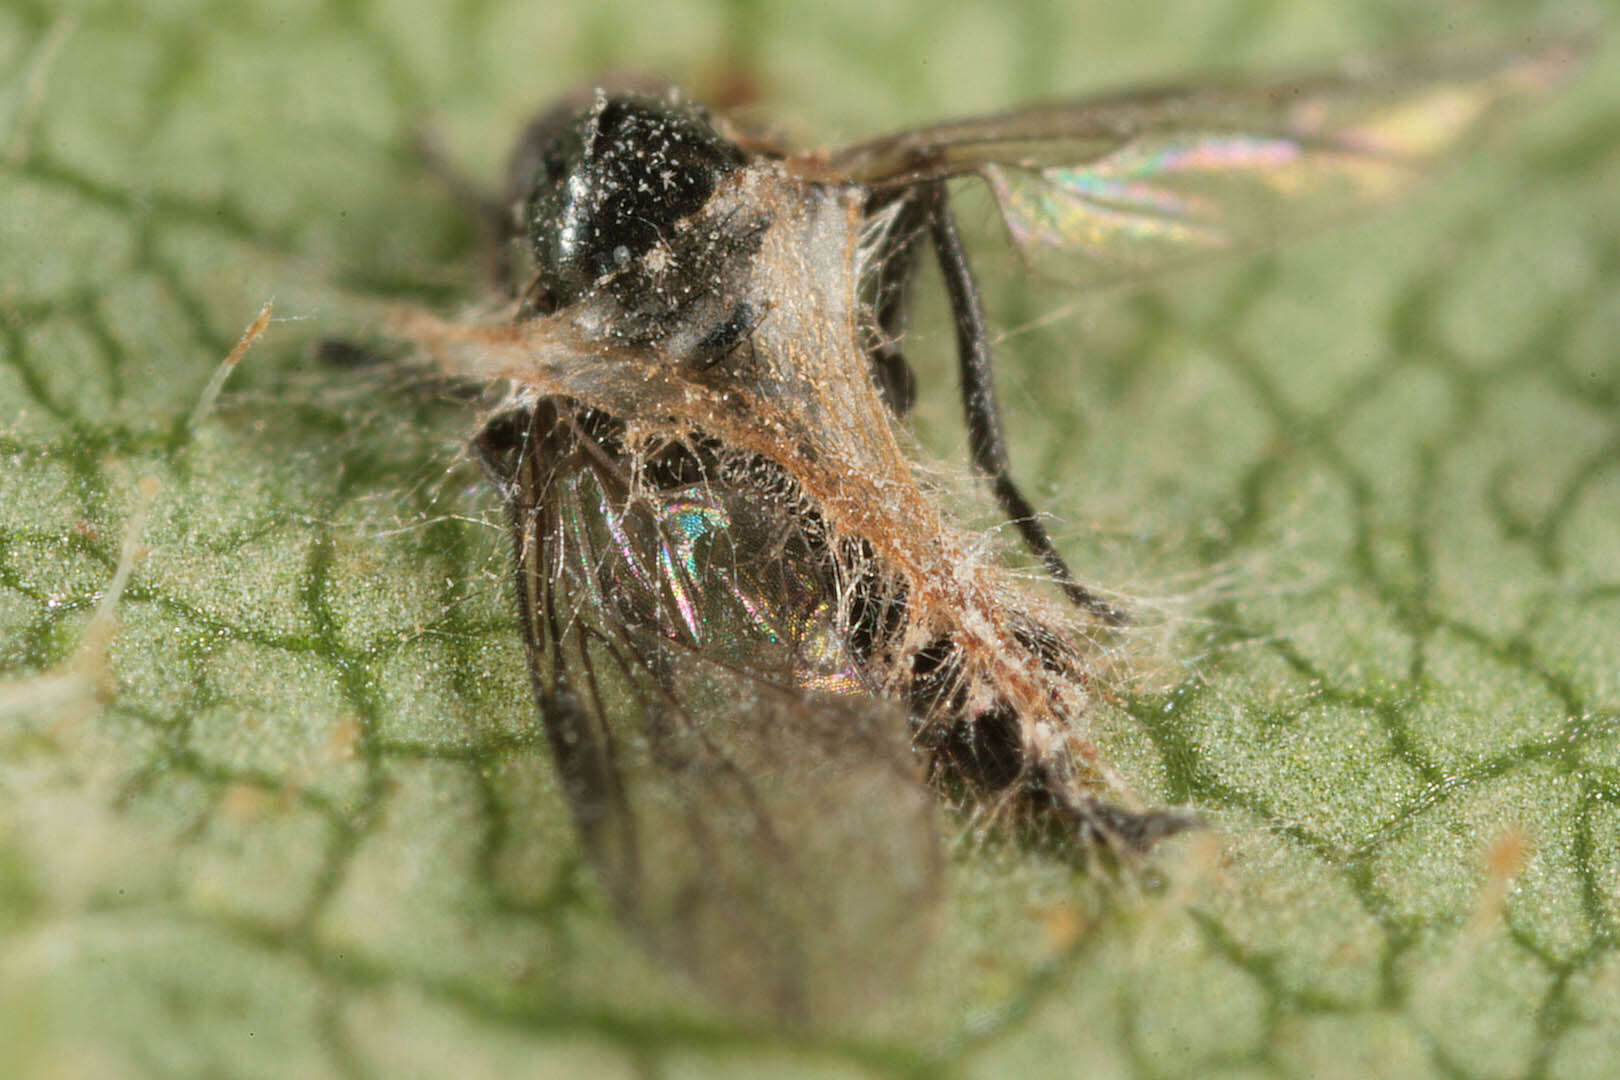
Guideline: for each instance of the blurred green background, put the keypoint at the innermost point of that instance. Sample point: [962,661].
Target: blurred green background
[1366,493]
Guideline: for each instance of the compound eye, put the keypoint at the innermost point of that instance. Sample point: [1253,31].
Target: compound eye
[615,183]
[551,212]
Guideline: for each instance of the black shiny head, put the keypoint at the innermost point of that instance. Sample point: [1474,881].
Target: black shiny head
[612,183]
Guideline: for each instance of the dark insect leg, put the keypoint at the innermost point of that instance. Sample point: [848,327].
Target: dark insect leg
[988,446]
[348,355]
[895,267]
[493,217]
[984,754]
[383,370]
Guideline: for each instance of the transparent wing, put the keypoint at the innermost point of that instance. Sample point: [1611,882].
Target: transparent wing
[1099,190]
[753,814]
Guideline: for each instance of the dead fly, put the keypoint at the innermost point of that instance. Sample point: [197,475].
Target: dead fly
[756,640]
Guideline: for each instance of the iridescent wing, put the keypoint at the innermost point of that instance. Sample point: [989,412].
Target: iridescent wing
[754,814]
[1096,191]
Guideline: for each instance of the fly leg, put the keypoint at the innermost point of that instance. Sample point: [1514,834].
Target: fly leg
[985,438]
[492,216]
[894,269]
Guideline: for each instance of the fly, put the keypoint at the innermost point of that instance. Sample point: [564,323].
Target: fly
[758,644]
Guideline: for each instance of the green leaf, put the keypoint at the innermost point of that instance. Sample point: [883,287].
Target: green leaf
[1368,491]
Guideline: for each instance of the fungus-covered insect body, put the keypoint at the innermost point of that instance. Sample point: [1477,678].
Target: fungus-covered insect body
[756,638]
